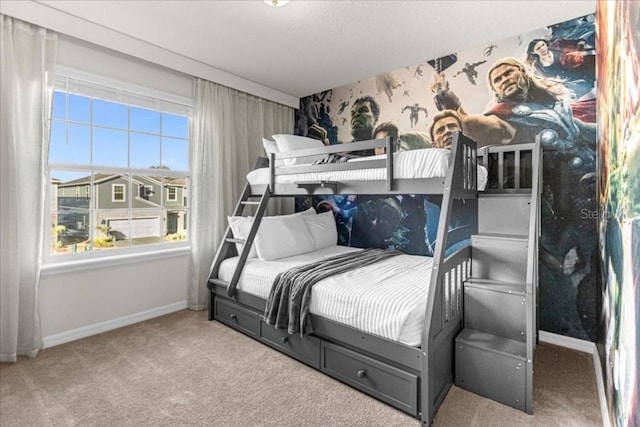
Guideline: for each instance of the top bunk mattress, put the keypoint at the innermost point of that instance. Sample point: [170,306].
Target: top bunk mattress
[412,164]
[387,299]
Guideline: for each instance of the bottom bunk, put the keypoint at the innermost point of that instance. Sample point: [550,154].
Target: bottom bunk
[368,323]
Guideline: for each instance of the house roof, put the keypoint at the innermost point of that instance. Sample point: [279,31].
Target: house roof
[102,177]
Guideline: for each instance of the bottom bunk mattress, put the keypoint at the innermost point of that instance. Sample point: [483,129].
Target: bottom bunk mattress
[387,299]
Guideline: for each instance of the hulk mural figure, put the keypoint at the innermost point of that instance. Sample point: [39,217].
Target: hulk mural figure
[364,116]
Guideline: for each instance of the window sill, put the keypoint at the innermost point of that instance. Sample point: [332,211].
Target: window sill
[53,268]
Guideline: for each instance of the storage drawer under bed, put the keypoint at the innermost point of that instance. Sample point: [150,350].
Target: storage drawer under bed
[385,382]
[305,349]
[237,317]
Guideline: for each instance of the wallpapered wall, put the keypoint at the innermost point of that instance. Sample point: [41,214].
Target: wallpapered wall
[556,105]
[619,202]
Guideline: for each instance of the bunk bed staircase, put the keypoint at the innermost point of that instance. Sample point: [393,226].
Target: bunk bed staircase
[495,349]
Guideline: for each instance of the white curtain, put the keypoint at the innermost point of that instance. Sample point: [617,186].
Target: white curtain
[227,131]
[27,76]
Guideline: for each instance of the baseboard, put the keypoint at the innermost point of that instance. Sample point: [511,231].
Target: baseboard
[568,342]
[98,328]
[604,407]
[585,347]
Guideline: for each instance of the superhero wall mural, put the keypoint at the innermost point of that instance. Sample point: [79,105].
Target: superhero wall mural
[535,85]
[619,203]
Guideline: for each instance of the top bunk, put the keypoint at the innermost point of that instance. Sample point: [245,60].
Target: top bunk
[421,171]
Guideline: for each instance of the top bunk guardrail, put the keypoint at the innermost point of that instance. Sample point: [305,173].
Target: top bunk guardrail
[388,143]
[464,160]
[510,167]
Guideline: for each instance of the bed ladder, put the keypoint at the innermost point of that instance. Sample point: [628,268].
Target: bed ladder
[228,241]
[495,349]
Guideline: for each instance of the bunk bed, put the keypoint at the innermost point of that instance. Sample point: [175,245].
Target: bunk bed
[412,374]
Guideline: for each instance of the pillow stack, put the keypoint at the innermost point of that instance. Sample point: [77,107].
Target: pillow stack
[271,147]
[287,235]
[284,143]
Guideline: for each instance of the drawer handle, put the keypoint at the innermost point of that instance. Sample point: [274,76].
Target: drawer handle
[234,317]
[361,373]
[284,340]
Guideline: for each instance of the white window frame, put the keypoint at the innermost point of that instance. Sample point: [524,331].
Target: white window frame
[130,94]
[175,193]
[124,193]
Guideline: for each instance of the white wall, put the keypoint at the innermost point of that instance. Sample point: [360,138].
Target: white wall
[46,16]
[75,303]
[88,57]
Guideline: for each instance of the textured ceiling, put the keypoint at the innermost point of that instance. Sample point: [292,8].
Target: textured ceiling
[309,46]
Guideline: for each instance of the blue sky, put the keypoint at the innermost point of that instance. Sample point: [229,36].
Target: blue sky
[101,133]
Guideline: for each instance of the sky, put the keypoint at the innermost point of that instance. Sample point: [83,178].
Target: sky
[94,132]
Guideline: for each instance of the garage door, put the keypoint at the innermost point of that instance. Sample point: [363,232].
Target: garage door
[140,227]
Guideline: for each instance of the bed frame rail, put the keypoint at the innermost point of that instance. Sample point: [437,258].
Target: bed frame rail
[388,143]
[443,318]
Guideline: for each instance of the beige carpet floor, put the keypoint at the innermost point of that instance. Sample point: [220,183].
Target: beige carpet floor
[182,370]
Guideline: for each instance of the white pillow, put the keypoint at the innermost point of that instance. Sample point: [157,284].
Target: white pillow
[271,147]
[310,211]
[283,236]
[287,143]
[323,230]
[240,226]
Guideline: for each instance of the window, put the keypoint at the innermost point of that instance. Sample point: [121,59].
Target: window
[117,193]
[172,194]
[109,139]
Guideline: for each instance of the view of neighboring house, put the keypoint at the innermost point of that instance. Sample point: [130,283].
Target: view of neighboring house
[120,207]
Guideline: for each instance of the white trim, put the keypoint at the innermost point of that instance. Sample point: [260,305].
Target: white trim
[602,395]
[47,16]
[568,342]
[98,328]
[113,193]
[116,85]
[124,256]
[175,198]
[585,347]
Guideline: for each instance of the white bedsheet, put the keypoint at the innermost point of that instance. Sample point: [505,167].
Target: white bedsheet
[412,164]
[387,299]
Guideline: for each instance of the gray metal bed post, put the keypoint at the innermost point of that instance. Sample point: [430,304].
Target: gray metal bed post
[227,241]
[390,149]
[463,157]
[223,250]
[532,267]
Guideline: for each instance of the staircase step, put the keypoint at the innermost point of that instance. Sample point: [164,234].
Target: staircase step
[501,257]
[497,308]
[491,366]
[522,192]
[493,343]
[504,213]
[502,236]
[518,288]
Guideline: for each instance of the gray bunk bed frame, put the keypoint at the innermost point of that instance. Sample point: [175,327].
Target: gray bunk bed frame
[412,379]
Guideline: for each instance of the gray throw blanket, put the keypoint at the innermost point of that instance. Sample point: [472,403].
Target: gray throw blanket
[288,303]
[332,158]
